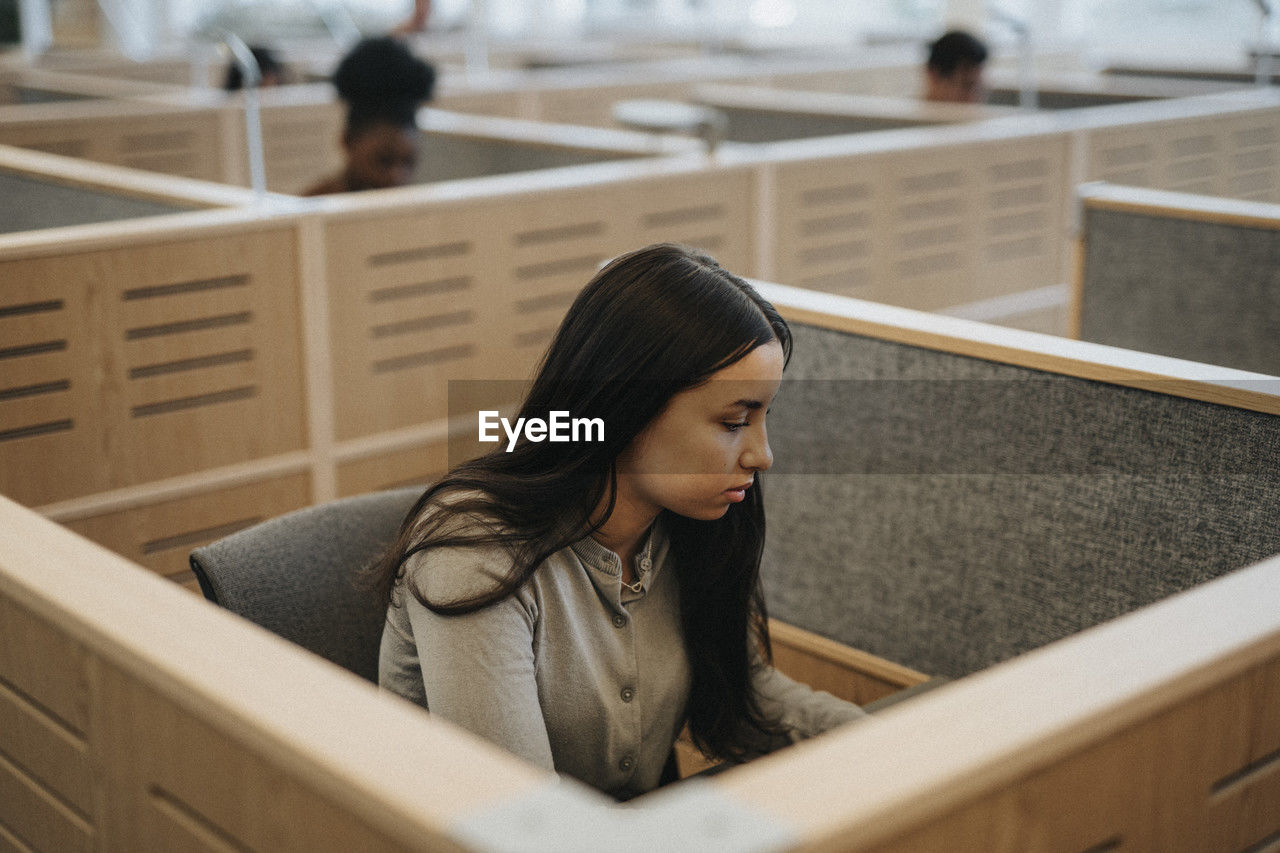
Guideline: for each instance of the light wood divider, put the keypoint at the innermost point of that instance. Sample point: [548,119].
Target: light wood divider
[1221,145]
[442,285]
[360,309]
[144,358]
[923,218]
[140,355]
[168,380]
[137,717]
[141,135]
[23,85]
[1152,732]
[824,664]
[142,718]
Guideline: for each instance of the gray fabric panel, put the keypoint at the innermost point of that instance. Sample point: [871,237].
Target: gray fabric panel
[31,204]
[1196,290]
[749,125]
[294,575]
[1051,100]
[952,523]
[448,157]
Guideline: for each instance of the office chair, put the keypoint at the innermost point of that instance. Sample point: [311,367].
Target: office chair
[294,575]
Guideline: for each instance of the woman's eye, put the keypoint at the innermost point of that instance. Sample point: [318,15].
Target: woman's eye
[734,426]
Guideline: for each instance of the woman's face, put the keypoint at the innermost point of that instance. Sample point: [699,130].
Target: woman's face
[380,156]
[702,452]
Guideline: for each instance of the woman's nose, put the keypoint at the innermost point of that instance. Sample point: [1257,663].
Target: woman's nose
[758,456]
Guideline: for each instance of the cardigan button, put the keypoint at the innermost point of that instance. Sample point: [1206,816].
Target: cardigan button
[626,764]
[619,621]
[627,694]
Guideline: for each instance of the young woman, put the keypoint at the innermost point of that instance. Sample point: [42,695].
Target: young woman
[578,603]
[383,85]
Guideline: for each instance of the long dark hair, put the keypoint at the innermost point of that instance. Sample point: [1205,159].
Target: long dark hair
[650,324]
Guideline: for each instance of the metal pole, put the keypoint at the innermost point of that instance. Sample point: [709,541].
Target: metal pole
[36,23]
[477,46]
[252,76]
[1263,65]
[1028,98]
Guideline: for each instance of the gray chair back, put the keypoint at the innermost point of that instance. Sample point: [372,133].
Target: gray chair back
[294,575]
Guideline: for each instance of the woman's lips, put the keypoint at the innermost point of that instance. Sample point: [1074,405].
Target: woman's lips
[737,494]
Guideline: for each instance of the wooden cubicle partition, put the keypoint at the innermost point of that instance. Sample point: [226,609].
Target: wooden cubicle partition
[976,220]
[470,280]
[197,133]
[155,137]
[157,351]
[926,219]
[1176,274]
[193,361]
[137,717]
[301,137]
[145,351]
[880,214]
[146,719]
[25,85]
[1223,145]
[585,95]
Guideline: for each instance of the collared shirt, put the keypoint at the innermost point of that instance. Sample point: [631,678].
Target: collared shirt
[574,672]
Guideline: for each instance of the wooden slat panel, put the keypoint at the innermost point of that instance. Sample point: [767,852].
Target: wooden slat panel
[178,781]
[30,812]
[714,212]
[1236,154]
[1150,787]
[10,843]
[51,754]
[432,263]
[147,394]
[927,227]
[413,466]
[160,536]
[49,452]
[576,232]
[476,291]
[181,142]
[823,664]
[172,348]
[31,408]
[52,367]
[44,666]
[143,353]
[156,301]
[26,323]
[301,143]
[829,216]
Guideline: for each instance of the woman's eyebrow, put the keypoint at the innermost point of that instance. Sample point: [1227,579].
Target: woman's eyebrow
[745,404]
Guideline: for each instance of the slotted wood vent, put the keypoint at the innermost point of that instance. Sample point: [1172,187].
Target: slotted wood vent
[189,344]
[34,375]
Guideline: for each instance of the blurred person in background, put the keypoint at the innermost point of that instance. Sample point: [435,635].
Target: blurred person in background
[383,85]
[953,71]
